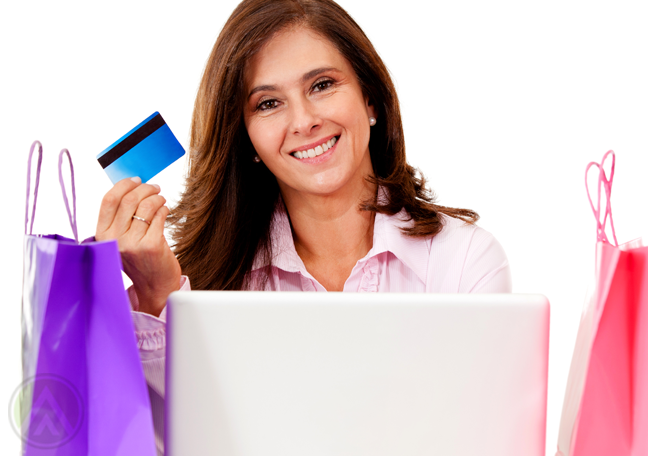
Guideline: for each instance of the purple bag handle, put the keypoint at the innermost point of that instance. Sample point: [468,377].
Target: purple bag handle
[38,169]
[71,215]
[607,186]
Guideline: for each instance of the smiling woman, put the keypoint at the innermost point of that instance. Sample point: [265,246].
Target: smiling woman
[298,181]
[285,77]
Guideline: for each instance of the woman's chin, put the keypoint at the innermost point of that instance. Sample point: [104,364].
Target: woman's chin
[325,189]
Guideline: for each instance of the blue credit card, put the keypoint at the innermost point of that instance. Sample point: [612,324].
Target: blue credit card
[143,152]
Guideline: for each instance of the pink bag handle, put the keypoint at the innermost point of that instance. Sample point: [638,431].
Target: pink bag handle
[607,186]
[71,215]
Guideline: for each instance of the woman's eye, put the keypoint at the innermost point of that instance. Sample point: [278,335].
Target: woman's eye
[266,105]
[320,86]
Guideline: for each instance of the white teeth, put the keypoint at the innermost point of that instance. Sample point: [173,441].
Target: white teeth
[319,150]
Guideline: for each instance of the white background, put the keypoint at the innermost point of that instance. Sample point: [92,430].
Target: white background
[504,104]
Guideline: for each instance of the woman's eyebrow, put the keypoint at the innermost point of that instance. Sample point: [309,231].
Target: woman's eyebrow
[269,88]
[311,74]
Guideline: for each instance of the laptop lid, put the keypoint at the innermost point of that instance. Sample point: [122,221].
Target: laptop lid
[261,373]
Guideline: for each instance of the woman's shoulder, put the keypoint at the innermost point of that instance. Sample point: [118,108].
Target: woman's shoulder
[458,231]
[454,233]
[466,258]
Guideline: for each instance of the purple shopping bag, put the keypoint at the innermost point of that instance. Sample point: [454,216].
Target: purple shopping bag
[84,391]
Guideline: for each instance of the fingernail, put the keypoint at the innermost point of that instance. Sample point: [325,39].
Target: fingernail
[156,186]
[136,179]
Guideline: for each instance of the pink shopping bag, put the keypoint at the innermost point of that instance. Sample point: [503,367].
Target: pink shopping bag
[605,411]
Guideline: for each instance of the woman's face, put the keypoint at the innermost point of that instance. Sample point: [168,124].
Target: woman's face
[304,100]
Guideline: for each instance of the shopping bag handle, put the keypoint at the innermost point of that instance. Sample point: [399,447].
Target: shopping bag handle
[606,183]
[38,169]
[71,215]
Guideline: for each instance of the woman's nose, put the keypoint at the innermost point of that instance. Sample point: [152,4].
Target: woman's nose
[304,118]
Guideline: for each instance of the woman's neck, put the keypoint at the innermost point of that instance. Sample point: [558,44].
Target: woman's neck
[331,233]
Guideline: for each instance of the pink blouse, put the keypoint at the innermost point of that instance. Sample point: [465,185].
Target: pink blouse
[461,259]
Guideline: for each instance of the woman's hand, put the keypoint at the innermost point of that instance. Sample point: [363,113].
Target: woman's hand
[147,258]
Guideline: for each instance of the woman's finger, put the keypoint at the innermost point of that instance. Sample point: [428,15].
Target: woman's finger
[111,201]
[146,210]
[129,205]
[157,223]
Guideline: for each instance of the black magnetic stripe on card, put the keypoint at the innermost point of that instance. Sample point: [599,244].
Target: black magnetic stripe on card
[131,141]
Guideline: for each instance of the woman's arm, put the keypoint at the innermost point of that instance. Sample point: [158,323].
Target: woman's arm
[134,214]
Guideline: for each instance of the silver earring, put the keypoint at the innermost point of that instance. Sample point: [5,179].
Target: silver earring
[256,159]
[372,121]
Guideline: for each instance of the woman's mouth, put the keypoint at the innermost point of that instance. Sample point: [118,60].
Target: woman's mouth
[319,150]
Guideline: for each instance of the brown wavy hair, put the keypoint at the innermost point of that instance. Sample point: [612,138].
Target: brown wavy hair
[224,217]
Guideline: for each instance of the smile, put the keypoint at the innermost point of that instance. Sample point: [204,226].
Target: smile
[318,150]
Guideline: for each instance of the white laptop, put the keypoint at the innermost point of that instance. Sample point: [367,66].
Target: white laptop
[362,374]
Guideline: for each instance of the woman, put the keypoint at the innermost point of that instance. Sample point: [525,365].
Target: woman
[297,181]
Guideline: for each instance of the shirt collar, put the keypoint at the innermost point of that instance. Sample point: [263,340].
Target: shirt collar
[284,255]
[414,252]
[388,237]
